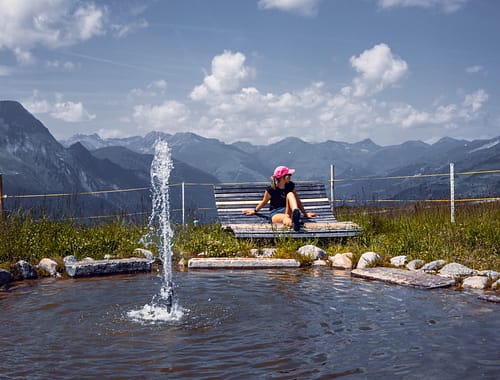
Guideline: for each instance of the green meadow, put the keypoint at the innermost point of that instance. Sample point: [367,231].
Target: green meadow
[419,231]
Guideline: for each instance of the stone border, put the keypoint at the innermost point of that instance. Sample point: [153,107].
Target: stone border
[241,263]
[404,277]
[416,273]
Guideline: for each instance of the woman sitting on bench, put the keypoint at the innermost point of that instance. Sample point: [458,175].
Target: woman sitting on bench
[285,205]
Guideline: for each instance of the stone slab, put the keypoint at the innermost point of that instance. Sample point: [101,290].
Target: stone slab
[241,263]
[107,267]
[490,298]
[404,277]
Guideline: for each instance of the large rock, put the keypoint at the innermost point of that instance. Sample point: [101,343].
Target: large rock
[25,270]
[475,282]
[491,274]
[455,270]
[399,261]
[368,259]
[415,264]
[404,277]
[87,268]
[341,261]
[240,263]
[313,252]
[496,285]
[5,277]
[319,263]
[146,253]
[433,266]
[48,265]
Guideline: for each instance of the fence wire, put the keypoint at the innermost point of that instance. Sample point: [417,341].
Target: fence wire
[336,201]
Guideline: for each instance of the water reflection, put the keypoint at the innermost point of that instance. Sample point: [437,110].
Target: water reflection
[305,324]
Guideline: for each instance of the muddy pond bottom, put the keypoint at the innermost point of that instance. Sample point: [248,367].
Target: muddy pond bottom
[264,324]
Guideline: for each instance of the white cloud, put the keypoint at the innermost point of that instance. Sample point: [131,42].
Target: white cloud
[474,69]
[378,68]
[71,112]
[152,89]
[25,24]
[316,114]
[123,30]
[110,133]
[5,71]
[168,116]
[228,73]
[475,100]
[60,65]
[446,115]
[308,8]
[160,84]
[448,6]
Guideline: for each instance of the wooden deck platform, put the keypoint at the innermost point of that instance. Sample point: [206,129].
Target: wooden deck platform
[232,199]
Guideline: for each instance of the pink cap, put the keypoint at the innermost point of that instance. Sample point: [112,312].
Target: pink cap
[282,171]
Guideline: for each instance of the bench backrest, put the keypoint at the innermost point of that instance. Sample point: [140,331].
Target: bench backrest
[232,199]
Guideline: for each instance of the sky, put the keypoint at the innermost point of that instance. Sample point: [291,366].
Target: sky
[256,70]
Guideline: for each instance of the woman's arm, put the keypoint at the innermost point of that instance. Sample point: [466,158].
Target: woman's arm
[261,204]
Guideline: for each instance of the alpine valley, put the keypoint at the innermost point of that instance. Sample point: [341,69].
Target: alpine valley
[33,162]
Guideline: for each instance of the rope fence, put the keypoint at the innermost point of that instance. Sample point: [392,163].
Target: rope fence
[332,182]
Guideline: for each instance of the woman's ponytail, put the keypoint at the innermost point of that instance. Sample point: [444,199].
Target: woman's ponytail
[273,182]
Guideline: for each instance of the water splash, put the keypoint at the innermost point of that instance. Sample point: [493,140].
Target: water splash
[163,307]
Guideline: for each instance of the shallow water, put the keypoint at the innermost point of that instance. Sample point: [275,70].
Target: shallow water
[265,324]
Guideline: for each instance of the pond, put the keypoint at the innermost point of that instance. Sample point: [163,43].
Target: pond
[264,324]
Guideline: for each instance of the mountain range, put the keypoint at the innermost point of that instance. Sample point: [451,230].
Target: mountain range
[32,161]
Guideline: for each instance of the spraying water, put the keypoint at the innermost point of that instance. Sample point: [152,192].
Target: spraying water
[160,173]
[163,306]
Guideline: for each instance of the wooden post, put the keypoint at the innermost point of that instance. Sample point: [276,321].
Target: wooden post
[1,197]
[452,192]
[183,203]
[332,187]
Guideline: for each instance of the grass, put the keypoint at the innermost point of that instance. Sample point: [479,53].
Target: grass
[22,237]
[425,232]
[416,231]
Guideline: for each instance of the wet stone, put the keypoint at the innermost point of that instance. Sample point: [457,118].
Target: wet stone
[240,263]
[88,268]
[399,261]
[455,270]
[368,259]
[415,264]
[433,266]
[404,277]
[312,251]
[5,277]
[475,282]
[25,270]
[341,261]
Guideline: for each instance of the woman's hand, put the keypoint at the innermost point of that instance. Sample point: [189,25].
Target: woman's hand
[310,214]
[249,212]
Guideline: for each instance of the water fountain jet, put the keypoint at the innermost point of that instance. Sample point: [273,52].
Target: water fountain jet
[161,234]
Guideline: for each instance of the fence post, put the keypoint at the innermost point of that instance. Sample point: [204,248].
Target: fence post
[452,192]
[1,197]
[183,203]
[332,189]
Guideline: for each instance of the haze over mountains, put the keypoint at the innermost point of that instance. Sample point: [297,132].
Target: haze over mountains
[33,162]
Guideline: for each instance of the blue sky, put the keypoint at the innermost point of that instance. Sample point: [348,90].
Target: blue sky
[256,70]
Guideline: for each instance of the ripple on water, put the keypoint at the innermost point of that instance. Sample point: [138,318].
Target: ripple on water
[246,325]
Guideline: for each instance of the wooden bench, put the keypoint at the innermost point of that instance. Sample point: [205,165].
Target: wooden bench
[232,199]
